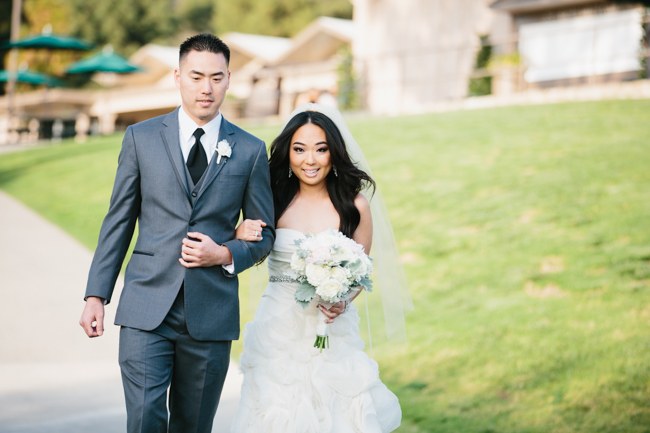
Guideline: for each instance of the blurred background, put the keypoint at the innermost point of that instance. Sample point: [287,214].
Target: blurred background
[509,138]
[379,56]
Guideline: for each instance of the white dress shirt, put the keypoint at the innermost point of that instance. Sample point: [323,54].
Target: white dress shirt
[208,140]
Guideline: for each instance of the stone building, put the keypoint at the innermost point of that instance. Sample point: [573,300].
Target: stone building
[410,54]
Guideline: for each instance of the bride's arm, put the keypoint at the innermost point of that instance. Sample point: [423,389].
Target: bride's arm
[363,233]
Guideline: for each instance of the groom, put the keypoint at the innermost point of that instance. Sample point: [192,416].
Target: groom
[184,178]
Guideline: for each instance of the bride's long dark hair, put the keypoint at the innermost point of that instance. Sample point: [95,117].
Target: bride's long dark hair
[342,189]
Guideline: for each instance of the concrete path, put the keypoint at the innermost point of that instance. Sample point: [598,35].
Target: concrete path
[53,379]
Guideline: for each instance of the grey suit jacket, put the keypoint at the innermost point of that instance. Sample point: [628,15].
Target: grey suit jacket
[152,188]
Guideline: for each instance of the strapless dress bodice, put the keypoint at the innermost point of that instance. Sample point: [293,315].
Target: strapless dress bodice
[279,260]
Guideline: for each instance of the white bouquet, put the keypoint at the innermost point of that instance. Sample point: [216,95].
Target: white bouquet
[329,266]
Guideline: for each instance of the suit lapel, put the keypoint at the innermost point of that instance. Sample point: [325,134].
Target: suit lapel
[226,132]
[171,139]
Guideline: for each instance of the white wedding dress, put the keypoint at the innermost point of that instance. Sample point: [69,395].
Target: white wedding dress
[291,387]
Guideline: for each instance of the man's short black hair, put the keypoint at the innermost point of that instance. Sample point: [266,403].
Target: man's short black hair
[204,42]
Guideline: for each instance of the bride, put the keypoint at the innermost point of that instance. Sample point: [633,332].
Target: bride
[289,386]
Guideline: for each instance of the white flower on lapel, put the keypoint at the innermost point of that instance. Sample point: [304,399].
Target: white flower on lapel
[223,149]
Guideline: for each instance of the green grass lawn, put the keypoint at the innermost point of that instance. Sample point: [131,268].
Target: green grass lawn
[526,239]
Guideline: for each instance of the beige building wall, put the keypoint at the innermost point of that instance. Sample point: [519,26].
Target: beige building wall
[413,53]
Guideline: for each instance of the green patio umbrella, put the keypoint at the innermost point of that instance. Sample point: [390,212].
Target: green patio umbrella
[105,61]
[30,77]
[48,40]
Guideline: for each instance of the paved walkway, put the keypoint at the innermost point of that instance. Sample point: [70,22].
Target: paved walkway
[53,379]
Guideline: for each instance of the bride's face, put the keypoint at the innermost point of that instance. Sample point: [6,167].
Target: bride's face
[309,155]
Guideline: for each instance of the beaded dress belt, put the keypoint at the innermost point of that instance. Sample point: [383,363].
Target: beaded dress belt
[282,279]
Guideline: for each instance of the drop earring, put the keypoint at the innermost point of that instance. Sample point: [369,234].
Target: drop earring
[336,173]
[290,172]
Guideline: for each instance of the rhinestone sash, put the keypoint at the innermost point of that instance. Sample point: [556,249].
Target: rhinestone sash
[282,279]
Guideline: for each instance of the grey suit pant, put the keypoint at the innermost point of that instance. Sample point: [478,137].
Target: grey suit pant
[168,357]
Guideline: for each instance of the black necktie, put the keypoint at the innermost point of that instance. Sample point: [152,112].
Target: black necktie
[197,161]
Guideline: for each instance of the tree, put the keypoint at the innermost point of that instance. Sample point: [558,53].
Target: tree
[5,28]
[125,24]
[275,18]
[641,2]
[35,16]
[196,15]
[5,33]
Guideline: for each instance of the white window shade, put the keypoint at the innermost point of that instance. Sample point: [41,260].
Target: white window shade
[581,46]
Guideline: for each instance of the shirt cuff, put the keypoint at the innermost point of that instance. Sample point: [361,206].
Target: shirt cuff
[230,268]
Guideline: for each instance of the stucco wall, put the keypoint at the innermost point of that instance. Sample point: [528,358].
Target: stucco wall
[411,53]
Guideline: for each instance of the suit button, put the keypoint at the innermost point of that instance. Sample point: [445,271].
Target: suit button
[192,223]
[194,194]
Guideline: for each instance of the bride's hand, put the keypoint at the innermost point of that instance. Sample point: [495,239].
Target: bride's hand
[250,230]
[334,311]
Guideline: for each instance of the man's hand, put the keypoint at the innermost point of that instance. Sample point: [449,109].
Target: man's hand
[92,318]
[200,251]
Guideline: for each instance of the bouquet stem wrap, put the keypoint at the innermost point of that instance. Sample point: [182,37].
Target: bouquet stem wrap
[322,338]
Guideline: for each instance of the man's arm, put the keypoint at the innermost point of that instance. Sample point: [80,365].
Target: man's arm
[114,237]
[257,204]
[119,223]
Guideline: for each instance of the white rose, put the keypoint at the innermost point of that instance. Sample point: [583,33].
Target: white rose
[328,236]
[316,274]
[339,274]
[343,254]
[320,253]
[329,290]
[298,263]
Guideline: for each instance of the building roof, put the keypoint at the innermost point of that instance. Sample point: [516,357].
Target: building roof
[245,48]
[319,41]
[523,6]
[266,47]
[168,56]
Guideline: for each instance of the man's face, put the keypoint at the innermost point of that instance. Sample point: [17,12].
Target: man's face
[202,78]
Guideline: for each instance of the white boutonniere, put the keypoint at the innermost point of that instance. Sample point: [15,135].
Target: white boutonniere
[223,149]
